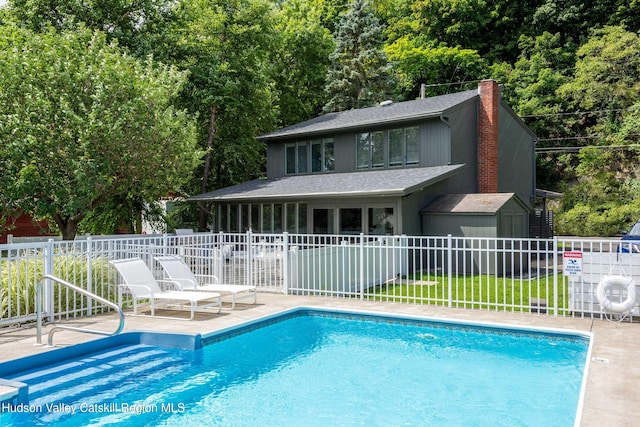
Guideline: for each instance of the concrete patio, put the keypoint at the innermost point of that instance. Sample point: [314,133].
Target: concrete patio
[613,382]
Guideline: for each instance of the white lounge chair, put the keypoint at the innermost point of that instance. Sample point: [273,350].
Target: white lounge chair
[143,286]
[180,273]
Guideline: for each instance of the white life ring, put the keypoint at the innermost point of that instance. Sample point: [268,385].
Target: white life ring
[617,307]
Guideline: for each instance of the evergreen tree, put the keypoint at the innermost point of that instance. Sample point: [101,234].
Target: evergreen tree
[359,75]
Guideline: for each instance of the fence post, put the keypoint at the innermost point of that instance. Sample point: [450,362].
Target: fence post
[450,269]
[555,276]
[165,244]
[89,274]
[48,269]
[221,261]
[248,251]
[362,266]
[285,262]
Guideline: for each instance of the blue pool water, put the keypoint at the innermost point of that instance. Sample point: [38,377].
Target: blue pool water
[311,368]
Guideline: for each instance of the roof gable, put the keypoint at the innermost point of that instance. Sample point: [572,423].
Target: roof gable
[391,113]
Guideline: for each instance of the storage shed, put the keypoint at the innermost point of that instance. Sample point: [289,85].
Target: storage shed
[480,218]
[476,215]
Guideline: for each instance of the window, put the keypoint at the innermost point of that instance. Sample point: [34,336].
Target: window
[322,155]
[224,217]
[381,221]
[267,225]
[412,145]
[233,218]
[317,156]
[296,217]
[323,221]
[291,150]
[362,150]
[255,218]
[327,155]
[402,145]
[244,218]
[350,221]
[302,218]
[265,217]
[290,209]
[277,218]
[370,150]
[296,158]
[396,147]
[377,150]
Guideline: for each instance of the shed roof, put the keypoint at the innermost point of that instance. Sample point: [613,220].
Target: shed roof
[484,203]
[381,114]
[379,183]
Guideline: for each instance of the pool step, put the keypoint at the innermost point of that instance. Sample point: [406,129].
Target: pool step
[98,375]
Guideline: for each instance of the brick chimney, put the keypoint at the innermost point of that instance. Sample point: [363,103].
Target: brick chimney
[488,136]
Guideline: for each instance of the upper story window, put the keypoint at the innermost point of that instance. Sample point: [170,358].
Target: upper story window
[370,150]
[315,156]
[396,147]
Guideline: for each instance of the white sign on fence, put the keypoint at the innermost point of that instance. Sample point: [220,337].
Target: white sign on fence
[572,263]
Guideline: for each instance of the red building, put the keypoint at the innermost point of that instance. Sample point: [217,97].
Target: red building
[24,226]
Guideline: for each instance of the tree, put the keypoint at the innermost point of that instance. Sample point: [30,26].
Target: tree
[84,124]
[573,19]
[607,76]
[137,25]
[531,88]
[428,64]
[359,75]
[225,46]
[301,62]
[607,72]
[490,27]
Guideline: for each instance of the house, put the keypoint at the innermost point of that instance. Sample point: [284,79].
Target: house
[377,170]
[23,226]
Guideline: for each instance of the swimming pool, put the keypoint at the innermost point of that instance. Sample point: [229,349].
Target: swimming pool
[318,367]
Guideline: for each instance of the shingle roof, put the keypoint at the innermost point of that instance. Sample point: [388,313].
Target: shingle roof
[388,182]
[401,111]
[468,203]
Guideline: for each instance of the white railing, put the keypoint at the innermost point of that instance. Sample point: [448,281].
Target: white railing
[81,291]
[516,275]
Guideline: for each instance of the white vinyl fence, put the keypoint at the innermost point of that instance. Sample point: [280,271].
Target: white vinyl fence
[556,277]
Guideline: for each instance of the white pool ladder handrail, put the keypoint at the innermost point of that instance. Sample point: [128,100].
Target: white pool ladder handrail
[71,328]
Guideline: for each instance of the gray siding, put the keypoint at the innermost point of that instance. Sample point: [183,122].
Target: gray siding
[344,147]
[464,147]
[465,225]
[414,203]
[275,159]
[435,141]
[516,157]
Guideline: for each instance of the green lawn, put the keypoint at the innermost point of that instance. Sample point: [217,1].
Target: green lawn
[477,292]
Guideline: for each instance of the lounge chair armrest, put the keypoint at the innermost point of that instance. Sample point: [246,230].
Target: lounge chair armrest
[208,278]
[132,287]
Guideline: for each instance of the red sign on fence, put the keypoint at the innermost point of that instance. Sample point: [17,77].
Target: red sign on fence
[572,263]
